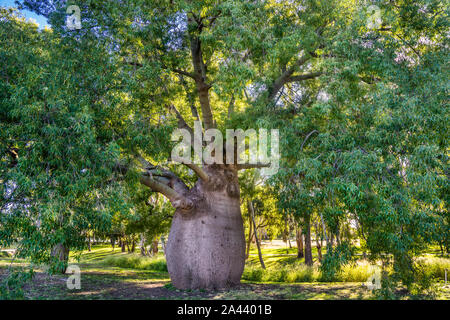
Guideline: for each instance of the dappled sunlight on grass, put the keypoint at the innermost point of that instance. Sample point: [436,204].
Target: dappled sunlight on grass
[117,275]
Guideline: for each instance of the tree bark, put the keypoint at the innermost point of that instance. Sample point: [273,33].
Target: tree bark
[299,240]
[252,214]
[206,245]
[250,236]
[123,245]
[319,243]
[307,238]
[61,253]
[155,246]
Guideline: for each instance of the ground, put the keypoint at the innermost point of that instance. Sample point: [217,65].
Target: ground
[100,281]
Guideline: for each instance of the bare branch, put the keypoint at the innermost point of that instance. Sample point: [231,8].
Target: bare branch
[161,188]
[307,137]
[191,100]
[181,122]
[282,79]
[231,107]
[198,171]
[200,78]
[184,73]
[252,165]
[305,76]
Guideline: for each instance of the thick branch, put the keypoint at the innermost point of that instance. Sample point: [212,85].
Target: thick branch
[305,76]
[190,98]
[252,165]
[283,78]
[200,79]
[161,188]
[181,122]
[184,73]
[165,182]
[198,171]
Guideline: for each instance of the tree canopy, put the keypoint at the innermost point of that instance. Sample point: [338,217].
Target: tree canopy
[86,118]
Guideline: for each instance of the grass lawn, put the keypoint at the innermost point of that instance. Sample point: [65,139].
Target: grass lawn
[100,279]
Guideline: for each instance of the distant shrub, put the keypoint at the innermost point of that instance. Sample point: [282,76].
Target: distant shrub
[4,254]
[296,273]
[355,272]
[253,274]
[288,274]
[434,267]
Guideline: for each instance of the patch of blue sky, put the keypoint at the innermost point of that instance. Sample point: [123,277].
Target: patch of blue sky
[40,20]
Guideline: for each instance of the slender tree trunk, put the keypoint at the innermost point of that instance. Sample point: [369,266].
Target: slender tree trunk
[113,243]
[163,243]
[252,214]
[133,246]
[89,243]
[206,246]
[307,238]
[61,253]
[299,240]
[128,242]
[319,242]
[250,236]
[155,246]
[123,245]
[142,245]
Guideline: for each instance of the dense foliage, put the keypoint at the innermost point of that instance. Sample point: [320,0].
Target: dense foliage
[363,117]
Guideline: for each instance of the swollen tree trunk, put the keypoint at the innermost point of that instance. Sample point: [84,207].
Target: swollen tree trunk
[252,214]
[61,253]
[206,245]
[307,238]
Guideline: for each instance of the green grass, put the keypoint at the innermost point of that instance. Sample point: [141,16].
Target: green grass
[435,267]
[297,273]
[111,274]
[4,254]
[135,261]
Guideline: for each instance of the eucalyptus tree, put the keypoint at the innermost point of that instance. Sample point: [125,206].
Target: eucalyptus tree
[56,165]
[374,137]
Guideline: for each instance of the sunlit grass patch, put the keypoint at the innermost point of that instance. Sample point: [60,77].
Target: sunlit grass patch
[435,267]
[134,261]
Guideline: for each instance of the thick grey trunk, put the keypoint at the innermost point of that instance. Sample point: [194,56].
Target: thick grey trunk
[206,245]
